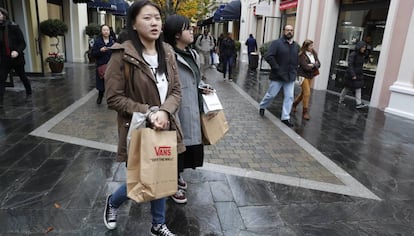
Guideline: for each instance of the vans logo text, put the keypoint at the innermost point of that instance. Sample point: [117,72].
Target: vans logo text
[162,151]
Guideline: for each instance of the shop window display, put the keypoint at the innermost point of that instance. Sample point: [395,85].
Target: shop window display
[355,23]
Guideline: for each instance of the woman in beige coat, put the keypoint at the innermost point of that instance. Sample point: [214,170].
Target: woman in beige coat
[142,77]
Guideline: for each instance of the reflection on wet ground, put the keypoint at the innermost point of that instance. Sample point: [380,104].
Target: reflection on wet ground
[47,183]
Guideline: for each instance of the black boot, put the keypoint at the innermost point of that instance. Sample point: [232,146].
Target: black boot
[99,99]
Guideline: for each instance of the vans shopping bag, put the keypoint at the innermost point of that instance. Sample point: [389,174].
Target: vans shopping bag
[214,128]
[152,164]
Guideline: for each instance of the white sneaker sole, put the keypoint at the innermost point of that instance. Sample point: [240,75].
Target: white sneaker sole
[178,201]
[109,225]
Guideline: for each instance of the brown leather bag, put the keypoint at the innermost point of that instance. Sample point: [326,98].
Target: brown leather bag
[315,72]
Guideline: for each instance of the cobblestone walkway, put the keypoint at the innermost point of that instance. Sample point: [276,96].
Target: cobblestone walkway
[253,143]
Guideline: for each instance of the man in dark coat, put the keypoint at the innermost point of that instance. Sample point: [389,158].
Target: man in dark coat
[228,55]
[283,58]
[12,45]
[251,45]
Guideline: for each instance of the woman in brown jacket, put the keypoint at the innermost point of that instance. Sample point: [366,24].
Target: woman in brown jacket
[142,76]
[308,68]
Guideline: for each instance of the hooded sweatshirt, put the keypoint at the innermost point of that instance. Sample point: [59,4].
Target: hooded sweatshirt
[356,61]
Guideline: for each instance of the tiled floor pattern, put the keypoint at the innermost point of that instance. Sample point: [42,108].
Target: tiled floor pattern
[255,147]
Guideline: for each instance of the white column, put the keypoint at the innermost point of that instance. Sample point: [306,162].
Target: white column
[77,42]
[402,91]
[329,10]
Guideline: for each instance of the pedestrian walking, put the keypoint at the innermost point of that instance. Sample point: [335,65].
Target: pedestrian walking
[251,46]
[354,75]
[204,45]
[179,34]
[283,58]
[228,55]
[12,45]
[102,53]
[309,65]
[213,52]
[150,85]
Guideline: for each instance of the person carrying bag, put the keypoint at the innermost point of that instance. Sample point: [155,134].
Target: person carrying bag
[142,77]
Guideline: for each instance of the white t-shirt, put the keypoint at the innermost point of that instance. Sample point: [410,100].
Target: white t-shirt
[311,57]
[162,83]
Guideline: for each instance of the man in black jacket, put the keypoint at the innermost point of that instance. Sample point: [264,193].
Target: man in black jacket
[12,45]
[283,59]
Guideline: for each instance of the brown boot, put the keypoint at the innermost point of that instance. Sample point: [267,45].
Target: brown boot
[294,107]
[305,114]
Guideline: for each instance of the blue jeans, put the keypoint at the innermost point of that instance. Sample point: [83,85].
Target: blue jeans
[228,61]
[274,88]
[157,206]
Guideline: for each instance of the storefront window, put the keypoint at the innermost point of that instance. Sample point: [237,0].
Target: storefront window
[290,16]
[358,21]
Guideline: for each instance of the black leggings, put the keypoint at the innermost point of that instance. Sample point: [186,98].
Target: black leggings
[5,67]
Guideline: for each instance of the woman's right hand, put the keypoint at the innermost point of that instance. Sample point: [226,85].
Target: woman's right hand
[206,89]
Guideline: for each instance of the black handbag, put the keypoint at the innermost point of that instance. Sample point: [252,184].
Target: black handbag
[220,67]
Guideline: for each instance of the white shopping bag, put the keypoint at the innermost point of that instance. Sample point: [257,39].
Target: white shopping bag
[299,80]
[211,103]
[215,58]
[137,122]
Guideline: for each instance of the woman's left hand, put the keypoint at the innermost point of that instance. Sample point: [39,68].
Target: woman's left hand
[160,120]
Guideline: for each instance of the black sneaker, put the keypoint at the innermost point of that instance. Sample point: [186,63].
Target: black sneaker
[162,230]
[110,214]
[179,197]
[181,183]
[359,106]
[288,123]
[261,112]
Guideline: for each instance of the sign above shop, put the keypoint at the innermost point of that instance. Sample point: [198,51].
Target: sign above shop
[263,9]
[287,4]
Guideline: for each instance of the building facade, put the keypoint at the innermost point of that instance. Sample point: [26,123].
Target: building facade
[75,13]
[335,26]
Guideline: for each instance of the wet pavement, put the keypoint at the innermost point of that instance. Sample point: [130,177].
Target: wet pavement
[344,172]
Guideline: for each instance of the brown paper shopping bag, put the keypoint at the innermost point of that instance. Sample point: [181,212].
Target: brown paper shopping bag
[152,165]
[215,128]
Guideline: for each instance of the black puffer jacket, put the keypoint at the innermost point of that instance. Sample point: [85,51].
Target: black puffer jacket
[355,67]
[227,48]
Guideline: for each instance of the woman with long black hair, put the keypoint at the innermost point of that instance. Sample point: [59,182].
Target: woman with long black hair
[151,86]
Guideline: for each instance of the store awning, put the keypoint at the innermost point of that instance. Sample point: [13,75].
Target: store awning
[121,8]
[229,12]
[218,12]
[82,1]
[103,5]
[287,4]
[205,22]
